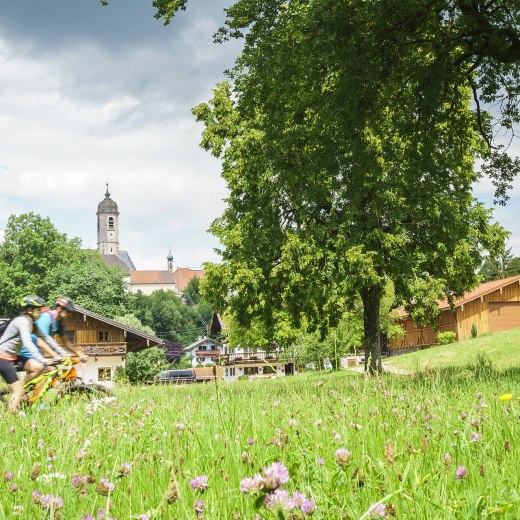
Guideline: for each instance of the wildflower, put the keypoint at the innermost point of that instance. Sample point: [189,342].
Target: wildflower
[172,493]
[8,475]
[377,511]
[280,500]
[143,517]
[88,516]
[105,486]
[78,480]
[343,457]
[35,470]
[36,495]
[447,459]
[318,422]
[17,510]
[308,507]
[389,452]
[463,415]
[252,485]
[506,397]
[455,432]
[275,475]
[198,506]
[475,437]
[461,472]
[125,469]
[320,461]
[250,442]
[47,501]
[299,498]
[292,422]
[11,429]
[199,483]
[13,488]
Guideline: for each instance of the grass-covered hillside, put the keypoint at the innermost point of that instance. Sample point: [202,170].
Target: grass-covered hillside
[502,349]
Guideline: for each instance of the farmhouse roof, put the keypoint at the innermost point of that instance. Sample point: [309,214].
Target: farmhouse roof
[201,341]
[133,335]
[122,260]
[151,277]
[481,290]
[183,276]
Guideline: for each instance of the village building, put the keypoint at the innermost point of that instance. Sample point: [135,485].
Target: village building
[240,362]
[491,307]
[106,342]
[172,278]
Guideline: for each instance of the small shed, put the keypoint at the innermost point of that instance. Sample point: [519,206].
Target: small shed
[492,307]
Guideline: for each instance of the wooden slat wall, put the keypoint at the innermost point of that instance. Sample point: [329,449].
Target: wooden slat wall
[86,331]
[510,293]
[475,312]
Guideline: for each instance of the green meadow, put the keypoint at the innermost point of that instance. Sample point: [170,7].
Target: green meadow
[357,447]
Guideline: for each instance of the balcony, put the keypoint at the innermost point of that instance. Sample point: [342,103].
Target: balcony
[102,349]
[248,357]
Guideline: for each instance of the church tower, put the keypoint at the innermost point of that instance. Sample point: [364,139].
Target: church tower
[170,261]
[107,226]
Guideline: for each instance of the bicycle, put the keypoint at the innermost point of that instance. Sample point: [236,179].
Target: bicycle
[63,378]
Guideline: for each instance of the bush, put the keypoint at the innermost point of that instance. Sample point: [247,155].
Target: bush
[145,365]
[445,338]
[473,330]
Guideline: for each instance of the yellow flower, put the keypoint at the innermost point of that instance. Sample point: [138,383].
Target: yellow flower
[506,397]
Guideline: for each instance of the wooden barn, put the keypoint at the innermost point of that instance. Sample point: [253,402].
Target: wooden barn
[105,341]
[491,307]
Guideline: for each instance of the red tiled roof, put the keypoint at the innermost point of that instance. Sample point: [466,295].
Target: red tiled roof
[151,277]
[183,276]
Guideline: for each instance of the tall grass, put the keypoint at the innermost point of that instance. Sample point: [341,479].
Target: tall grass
[407,438]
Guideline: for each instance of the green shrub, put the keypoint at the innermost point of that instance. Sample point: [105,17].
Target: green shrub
[473,330]
[145,365]
[445,338]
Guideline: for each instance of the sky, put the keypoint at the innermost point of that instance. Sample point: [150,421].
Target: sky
[90,94]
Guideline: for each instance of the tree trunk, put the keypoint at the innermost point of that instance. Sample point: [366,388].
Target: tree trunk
[371,326]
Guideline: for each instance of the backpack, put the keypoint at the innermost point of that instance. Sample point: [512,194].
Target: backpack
[4,324]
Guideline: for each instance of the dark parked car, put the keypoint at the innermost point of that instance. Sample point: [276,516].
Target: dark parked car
[176,376]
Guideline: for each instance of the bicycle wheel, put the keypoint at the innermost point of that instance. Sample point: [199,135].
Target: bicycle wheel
[81,392]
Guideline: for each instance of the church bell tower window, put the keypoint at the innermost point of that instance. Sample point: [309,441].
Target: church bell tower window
[110,222]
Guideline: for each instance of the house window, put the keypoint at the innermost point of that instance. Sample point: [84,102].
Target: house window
[250,371]
[232,371]
[103,335]
[208,347]
[269,369]
[104,374]
[110,222]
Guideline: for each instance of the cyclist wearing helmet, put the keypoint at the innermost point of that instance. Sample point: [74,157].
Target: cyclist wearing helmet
[18,335]
[51,323]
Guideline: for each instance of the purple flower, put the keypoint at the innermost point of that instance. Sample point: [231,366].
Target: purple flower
[199,483]
[461,472]
[475,437]
[252,485]
[13,488]
[280,500]
[463,415]
[78,480]
[275,475]
[45,501]
[198,506]
[125,469]
[36,495]
[308,507]
[377,511]
[250,442]
[8,475]
[343,457]
[88,516]
[58,502]
[105,486]
[143,517]
[320,461]
[299,498]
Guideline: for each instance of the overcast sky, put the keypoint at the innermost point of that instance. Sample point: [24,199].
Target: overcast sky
[90,93]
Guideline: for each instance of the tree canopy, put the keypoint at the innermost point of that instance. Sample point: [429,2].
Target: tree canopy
[348,136]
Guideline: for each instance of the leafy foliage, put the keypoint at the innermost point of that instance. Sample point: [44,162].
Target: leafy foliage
[445,338]
[344,176]
[503,266]
[132,321]
[144,365]
[91,283]
[32,247]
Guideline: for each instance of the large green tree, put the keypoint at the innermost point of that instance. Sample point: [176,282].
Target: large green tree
[349,155]
[31,248]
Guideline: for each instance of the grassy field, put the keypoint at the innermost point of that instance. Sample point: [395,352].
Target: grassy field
[409,448]
[502,349]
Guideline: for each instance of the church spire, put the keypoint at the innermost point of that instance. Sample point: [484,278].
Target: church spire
[107,194]
[170,260]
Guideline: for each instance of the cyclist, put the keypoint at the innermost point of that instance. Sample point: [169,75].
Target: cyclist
[18,334]
[52,323]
